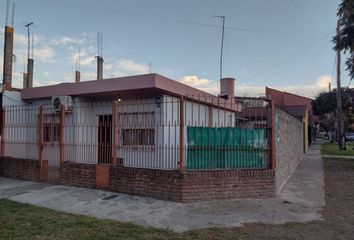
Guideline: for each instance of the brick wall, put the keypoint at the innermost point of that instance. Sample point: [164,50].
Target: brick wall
[77,174]
[160,184]
[227,184]
[23,169]
[193,186]
[163,184]
[289,145]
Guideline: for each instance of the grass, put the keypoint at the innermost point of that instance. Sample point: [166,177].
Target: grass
[332,149]
[25,221]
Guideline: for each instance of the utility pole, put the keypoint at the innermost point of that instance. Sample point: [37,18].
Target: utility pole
[222,42]
[340,137]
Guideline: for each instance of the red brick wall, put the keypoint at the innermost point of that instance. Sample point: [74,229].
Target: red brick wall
[77,174]
[193,186]
[226,184]
[162,184]
[23,169]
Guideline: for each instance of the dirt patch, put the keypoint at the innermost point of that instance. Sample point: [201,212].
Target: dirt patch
[338,213]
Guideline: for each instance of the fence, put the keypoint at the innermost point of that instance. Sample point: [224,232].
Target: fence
[158,133]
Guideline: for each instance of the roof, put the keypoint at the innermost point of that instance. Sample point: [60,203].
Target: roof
[288,93]
[147,84]
[296,111]
[122,85]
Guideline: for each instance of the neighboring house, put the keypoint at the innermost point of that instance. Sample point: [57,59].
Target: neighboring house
[148,135]
[297,106]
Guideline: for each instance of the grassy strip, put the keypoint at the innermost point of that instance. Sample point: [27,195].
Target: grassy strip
[332,149]
[25,221]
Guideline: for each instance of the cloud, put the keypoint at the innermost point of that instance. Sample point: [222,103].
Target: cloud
[201,83]
[44,54]
[37,83]
[85,58]
[126,67]
[88,76]
[310,90]
[22,39]
[242,89]
[65,40]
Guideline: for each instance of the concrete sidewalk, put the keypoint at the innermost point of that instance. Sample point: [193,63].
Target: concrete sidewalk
[301,200]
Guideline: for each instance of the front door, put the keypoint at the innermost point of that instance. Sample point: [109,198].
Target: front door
[105,139]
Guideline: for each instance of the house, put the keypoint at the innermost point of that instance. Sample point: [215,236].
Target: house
[147,135]
[297,106]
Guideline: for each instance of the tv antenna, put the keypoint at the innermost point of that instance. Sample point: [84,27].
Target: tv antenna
[222,41]
[28,38]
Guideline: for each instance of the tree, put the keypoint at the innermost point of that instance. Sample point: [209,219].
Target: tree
[326,102]
[344,40]
[325,105]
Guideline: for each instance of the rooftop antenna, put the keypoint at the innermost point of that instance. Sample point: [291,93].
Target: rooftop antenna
[7,12]
[28,38]
[99,56]
[150,66]
[77,65]
[79,60]
[77,71]
[13,14]
[24,62]
[113,70]
[101,41]
[32,50]
[222,41]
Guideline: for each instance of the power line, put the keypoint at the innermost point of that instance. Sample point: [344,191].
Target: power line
[154,17]
[290,57]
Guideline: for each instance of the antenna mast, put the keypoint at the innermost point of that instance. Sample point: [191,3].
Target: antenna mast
[222,42]
[7,12]
[32,50]
[13,14]
[28,38]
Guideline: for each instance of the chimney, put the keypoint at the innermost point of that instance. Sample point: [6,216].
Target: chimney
[24,80]
[99,67]
[77,76]
[227,88]
[8,56]
[30,65]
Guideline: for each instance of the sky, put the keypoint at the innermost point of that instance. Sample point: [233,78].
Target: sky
[284,44]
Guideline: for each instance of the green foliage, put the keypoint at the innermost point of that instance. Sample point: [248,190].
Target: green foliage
[326,102]
[344,40]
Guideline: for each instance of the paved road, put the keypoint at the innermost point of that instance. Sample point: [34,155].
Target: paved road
[301,200]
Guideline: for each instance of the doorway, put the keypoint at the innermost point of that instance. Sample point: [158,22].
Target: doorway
[105,139]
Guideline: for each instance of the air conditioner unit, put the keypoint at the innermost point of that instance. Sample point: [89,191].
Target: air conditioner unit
[66,101]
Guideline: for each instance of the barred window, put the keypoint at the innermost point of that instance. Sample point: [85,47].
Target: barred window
[138,137]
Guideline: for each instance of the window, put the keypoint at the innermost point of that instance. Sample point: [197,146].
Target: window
[138,137]
[138,128]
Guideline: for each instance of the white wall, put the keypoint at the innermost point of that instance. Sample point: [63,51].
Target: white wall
[81,129]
